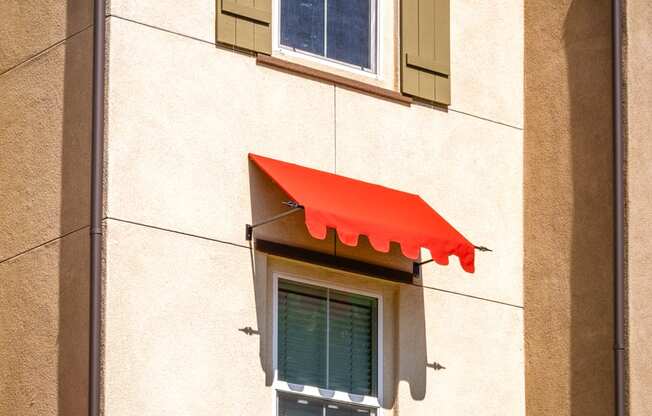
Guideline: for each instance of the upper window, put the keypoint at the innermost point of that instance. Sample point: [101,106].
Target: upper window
[326,339]
[343,31]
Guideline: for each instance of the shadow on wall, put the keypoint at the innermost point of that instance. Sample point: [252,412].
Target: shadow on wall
[568,208]
[587,38]
[404,341]
[74,266]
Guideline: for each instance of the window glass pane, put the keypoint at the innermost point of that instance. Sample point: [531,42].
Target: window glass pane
[349,31]
[345,410]
[327,338]
[302,25]
[298,406]
[295,405]
[302,334]
[352,343]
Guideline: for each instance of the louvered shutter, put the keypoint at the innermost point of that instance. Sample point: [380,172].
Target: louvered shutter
[246,24]
[425,49]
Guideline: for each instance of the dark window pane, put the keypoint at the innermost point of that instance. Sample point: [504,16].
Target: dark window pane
[294,405]
[348,31]
[327,338]
[302,25]
[299,406]
[302,334]
[337,409]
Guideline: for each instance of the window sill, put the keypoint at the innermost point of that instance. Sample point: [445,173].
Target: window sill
[317,393]
[337,80]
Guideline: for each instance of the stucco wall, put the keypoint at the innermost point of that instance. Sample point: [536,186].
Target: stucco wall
[44,148]
[31,26]
[183,114]
[639,200]
[44,330]
[45,72]
[568,217]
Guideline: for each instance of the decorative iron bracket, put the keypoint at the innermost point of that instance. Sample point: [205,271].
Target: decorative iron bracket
[249,228]
[416,266]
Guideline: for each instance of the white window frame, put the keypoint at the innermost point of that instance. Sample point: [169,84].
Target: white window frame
[311,391]
[376,46]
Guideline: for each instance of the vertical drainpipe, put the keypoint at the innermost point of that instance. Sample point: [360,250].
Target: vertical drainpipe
[97,153]
[619,214]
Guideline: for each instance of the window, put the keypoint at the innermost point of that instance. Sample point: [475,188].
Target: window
[327,348]
[343,31]
[289,405]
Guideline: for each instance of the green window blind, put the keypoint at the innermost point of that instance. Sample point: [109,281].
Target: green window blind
[351,346]
[327,338]
[302,334]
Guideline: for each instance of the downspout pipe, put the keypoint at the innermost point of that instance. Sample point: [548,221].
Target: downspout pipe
[619,214]
[97,168]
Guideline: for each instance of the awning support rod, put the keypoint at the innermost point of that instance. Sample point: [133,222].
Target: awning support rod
[416,266]
[249,228]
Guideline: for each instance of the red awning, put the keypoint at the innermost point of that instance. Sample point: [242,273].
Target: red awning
[353,207]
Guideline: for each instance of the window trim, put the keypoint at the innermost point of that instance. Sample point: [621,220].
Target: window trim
[311,391]
[376,44]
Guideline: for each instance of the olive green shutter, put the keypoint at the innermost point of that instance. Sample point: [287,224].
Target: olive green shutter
[246,24]
[425,49]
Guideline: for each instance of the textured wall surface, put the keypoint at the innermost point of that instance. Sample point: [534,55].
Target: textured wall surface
[639,202]
[44,330]
[568,217]
[182,116]
[27,27]
[44,128]
[486,56]
[45,79]
[176,304]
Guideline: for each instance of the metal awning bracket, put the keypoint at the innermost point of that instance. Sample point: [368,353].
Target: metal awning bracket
[416,266]
[249,228]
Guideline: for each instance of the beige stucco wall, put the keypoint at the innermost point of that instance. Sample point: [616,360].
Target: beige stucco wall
[45,72]
[44,127]
[44,330]
[487,64]
[28,27]
[182,115]
[567,217]
[639,200]
[175,306]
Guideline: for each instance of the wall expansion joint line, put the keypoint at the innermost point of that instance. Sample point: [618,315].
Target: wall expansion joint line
[161,29]
[485,119]
[154,227]
[470,296]
[335,127]
[44,244]
[47,49]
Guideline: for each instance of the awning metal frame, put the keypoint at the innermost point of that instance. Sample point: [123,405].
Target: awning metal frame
[416,266]
[296,207]
[249,228]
